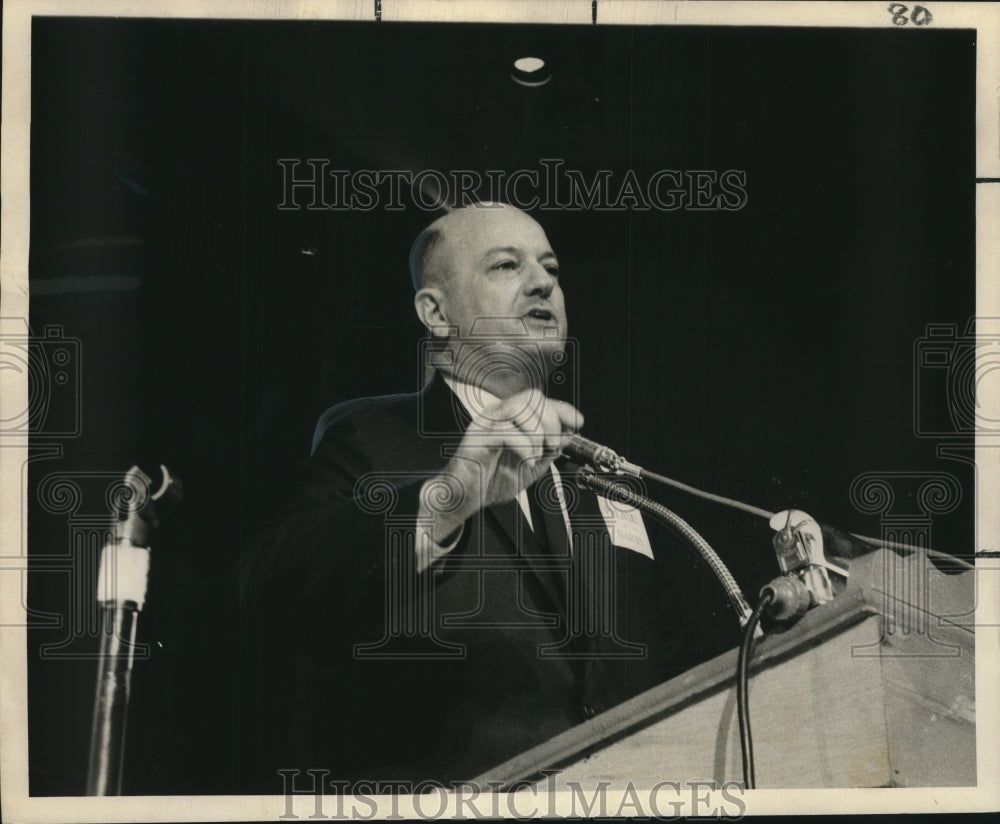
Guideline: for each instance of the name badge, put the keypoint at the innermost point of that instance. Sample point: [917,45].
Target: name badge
[625,526]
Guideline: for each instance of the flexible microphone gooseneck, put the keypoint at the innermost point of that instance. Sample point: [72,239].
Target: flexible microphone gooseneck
[620,492]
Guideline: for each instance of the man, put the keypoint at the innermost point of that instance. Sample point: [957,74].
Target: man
[442,596]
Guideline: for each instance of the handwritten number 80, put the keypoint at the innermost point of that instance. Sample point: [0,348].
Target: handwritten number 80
[919,16]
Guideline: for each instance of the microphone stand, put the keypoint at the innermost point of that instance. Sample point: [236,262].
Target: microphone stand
[749,618]
[122,578]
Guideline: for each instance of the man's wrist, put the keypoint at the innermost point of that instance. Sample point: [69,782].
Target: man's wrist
[443,505]
[440,519]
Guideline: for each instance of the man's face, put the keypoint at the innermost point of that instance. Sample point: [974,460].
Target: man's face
[503,285]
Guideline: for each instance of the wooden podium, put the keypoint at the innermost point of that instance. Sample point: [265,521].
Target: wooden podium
[874,689]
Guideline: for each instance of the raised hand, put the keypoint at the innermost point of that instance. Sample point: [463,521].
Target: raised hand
[506,448]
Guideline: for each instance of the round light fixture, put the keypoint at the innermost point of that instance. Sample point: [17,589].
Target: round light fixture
[530,71]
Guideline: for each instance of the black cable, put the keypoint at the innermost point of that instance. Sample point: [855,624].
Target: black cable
[708,496]
[742,685]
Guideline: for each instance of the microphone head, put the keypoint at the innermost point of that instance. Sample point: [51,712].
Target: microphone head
[584,451]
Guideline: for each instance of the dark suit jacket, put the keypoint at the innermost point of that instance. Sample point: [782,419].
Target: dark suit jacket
[360,666]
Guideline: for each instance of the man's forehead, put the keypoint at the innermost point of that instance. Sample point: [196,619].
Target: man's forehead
[475,231]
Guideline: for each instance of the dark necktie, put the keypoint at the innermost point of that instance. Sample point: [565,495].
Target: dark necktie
[547,516]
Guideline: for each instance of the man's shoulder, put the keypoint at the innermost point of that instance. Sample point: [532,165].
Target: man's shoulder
[365,407]
[366,414]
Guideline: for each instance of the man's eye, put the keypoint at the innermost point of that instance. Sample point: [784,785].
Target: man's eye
[553,270]
[505,264]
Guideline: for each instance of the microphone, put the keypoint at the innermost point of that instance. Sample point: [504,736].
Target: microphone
[584,451]
[805,580]
[602,458]
[790,598]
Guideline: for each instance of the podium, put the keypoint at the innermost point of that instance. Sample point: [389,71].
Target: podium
[873,689]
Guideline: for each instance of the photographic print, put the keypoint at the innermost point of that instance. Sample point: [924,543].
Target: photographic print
[477,409]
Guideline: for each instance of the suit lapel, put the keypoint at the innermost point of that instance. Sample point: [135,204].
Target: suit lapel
[550,570]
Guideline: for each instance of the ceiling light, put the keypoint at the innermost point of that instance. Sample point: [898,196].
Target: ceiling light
[530,71]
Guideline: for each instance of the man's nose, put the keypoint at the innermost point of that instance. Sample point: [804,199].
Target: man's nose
[540,281]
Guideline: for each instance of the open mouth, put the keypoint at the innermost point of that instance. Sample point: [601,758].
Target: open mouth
[541,314]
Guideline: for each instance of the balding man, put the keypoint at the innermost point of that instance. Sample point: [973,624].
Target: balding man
[442,596]
[488,292]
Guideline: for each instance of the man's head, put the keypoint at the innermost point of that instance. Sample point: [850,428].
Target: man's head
[488,289]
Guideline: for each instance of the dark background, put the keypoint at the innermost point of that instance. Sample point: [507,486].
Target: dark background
[766,354]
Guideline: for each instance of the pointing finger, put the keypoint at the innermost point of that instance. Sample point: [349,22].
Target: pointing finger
[570,417]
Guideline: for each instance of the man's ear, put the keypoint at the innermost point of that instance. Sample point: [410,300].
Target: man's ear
[431,305]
